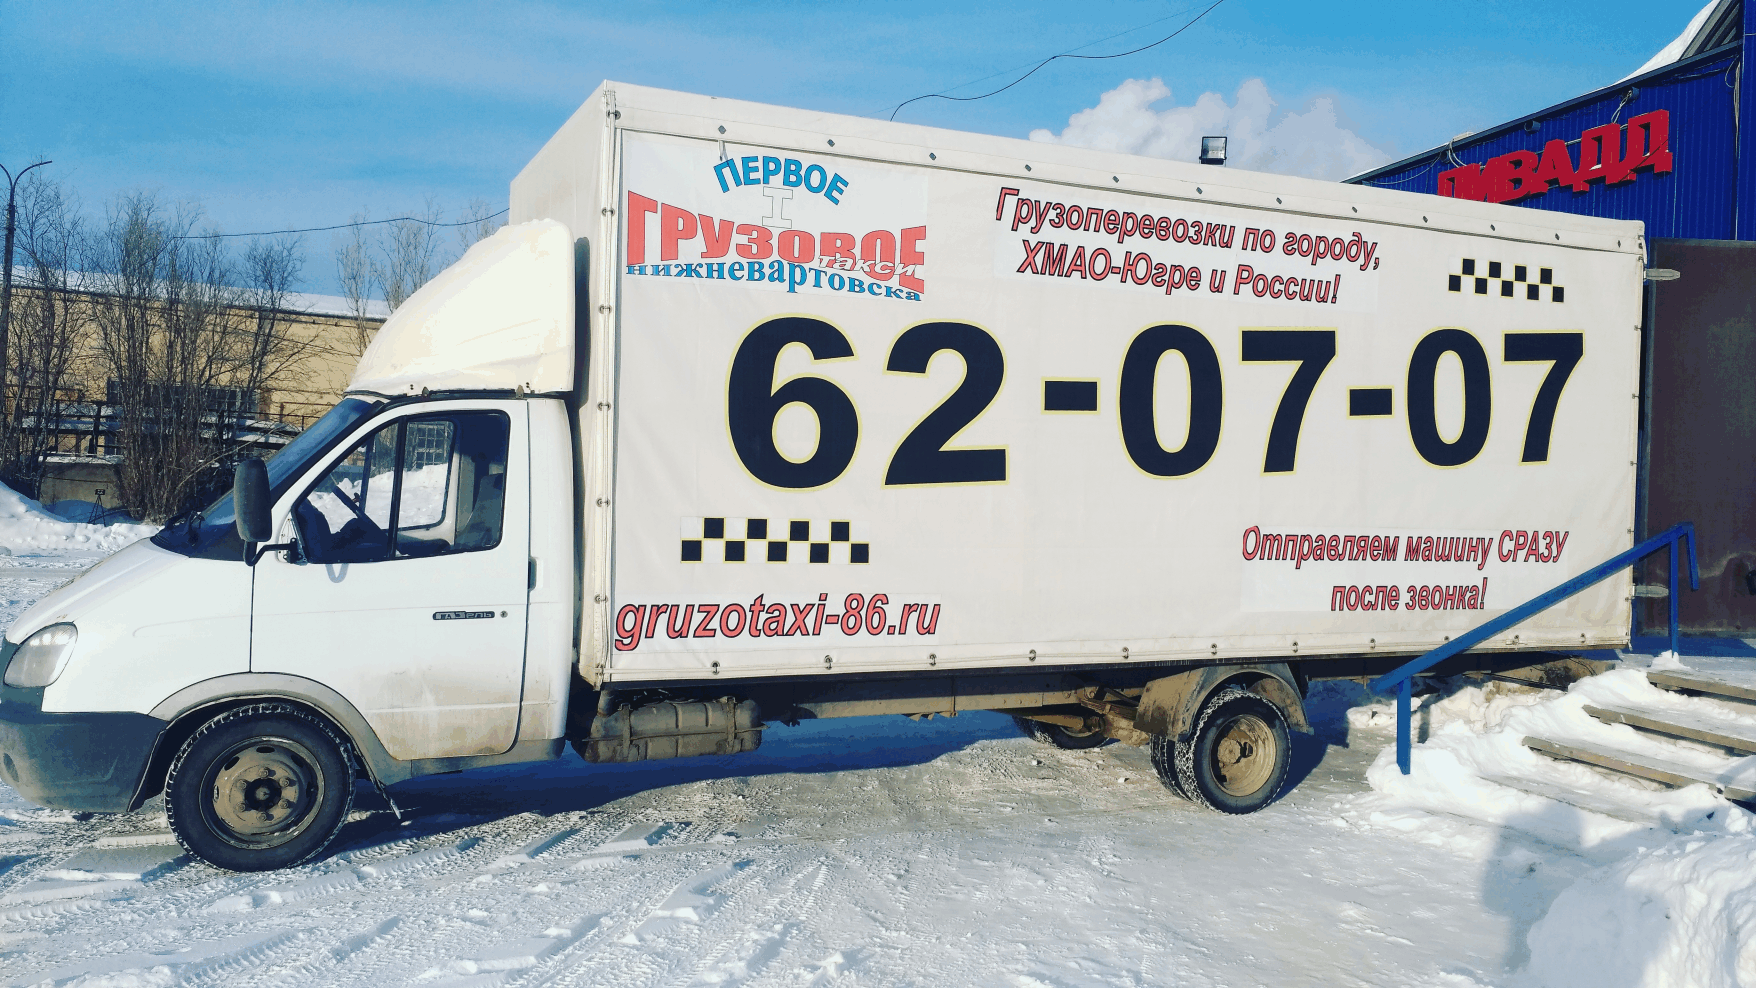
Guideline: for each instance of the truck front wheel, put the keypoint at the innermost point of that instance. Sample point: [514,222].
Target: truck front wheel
[1236,759]
[260,787]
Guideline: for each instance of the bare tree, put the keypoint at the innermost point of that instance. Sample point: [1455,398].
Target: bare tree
[408,255]
[355,270]
[190,340]
[398,258]
[127,267]
[268,350]
[46,336]
[483,226]
[199,398]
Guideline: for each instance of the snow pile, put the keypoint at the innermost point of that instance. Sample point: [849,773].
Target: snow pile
[1475,737]
[1678,916]
[26,526]
[1672,899]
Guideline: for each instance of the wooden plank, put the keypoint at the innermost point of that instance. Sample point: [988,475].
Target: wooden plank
[1589,801]
[1639,766]
[1515,680]
[1677,726]
[1697,683]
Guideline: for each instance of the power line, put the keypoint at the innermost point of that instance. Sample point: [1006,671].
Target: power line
[960,99]
[1065,54]
[1089,44]
[345,226]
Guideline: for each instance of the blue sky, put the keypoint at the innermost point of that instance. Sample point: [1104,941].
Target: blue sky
[284,115]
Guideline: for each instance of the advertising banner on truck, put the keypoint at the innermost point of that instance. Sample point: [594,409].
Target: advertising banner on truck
[875,416]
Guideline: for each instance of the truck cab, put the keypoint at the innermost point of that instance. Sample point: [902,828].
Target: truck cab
[406,607]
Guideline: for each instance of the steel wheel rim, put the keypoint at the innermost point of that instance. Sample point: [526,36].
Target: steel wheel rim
[263,792]
[1244,755]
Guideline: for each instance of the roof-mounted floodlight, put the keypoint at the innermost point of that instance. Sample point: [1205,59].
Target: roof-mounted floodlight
[1213,150]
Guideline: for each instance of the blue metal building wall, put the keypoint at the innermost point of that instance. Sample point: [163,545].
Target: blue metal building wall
[1746,177]
[1698,199]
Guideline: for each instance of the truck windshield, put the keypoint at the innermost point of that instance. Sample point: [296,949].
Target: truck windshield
[213,531]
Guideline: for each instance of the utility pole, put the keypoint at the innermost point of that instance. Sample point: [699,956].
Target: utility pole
[6,279]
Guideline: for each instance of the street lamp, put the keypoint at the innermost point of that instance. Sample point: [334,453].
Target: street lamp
[6,278]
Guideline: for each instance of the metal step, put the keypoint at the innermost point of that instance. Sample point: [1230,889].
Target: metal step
[1677,725]
[1580,798]
[1694,682]
[1640,766]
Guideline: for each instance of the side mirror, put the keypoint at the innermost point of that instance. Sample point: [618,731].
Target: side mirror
[250,500]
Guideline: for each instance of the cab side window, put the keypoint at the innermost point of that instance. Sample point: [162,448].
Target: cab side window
[423,486]
[346,517]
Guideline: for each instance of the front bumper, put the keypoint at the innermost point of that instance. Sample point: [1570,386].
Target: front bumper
[88,762]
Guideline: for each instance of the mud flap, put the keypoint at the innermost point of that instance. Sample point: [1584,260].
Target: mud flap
[1169,706]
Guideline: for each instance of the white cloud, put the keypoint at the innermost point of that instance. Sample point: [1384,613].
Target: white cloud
[1311,143]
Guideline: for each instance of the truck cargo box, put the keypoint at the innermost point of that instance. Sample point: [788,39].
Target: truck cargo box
[864,397]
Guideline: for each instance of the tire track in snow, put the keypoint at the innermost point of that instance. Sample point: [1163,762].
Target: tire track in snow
[260,901]
[731,912]
[655,959]
[741,955]
[649,938]
[447,859]
[779,924]
[223,969]
[191,963]
[442,878]
[384,954]
[641,945]
[318,967]
[472,954]
[466,955]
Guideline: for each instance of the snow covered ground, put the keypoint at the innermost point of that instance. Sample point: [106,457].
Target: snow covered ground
[867,852]
[27,528]
[950,852]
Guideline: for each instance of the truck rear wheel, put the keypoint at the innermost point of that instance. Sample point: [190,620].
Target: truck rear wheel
[1164,762]
[1236,759]
[261,787]
[1060,737]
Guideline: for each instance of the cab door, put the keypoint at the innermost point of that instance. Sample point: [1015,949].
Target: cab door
[407,591]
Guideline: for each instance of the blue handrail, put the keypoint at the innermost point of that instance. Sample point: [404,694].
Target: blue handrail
[1401,676]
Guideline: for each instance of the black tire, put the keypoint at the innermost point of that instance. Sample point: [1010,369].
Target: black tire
[1059,736]
[1164,762]
[1236,759]
[261,787]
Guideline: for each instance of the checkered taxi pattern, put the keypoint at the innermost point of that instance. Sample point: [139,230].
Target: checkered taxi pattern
[1503,280]
[757,540]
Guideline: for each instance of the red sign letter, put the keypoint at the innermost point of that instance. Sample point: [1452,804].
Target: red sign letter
[1651,134]
[1556,167]
[1600,156]
[1512,176]
[1461,183]
[638,207]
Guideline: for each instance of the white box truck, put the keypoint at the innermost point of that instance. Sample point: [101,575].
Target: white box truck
[754,415]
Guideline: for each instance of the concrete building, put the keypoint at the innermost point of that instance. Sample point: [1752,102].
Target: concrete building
[83,412]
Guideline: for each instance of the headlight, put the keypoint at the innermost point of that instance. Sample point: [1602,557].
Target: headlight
[42,656]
